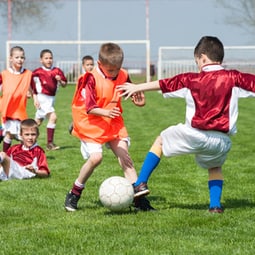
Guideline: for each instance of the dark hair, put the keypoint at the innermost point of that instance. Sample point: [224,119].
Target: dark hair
[111,54]
[212,47]
[16,48]
[87,57]
[45,51]
[29,123]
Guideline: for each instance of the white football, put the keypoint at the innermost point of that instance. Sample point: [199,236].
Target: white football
[116,193]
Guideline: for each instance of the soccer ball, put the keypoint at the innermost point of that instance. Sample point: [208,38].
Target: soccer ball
[116,193]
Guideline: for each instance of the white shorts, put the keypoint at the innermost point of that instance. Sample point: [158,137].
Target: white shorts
[16,172]
[88,148]
[210,147]
[46,106]
[12,126]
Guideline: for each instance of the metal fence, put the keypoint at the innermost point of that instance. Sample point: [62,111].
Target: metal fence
[175,60]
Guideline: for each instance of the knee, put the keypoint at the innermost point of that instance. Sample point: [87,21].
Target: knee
[96,159]
[53,117]
[3,156]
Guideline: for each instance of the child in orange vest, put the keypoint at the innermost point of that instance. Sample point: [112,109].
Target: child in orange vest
[97,120]
[87,66]
[16,83]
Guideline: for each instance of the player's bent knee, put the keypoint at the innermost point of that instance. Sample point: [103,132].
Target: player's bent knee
[96,158]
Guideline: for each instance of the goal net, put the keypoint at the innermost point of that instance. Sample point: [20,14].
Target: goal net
[68,55]
[175,60]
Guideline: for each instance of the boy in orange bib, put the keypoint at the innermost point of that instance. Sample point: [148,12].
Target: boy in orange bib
[97,120]
[16,83]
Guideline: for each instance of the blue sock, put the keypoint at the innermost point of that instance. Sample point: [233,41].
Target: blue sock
[215,189]
[150,163]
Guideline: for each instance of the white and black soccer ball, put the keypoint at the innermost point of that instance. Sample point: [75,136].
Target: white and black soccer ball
[116,193]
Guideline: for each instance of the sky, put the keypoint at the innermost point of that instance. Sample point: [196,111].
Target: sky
[171,23]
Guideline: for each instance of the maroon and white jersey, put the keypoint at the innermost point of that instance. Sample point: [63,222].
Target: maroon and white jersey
[24,156]
[45,81]
[211,96]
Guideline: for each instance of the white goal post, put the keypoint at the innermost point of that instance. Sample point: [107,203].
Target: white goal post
[177,59]
[10,43]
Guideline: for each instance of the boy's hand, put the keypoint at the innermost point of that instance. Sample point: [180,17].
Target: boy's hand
[114,112]
[127,89]
[138,99]
[31,168]
[110,112]
[57,77]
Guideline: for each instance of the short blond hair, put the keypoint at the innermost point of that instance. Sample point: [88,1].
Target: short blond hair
[29,123]
[111,54]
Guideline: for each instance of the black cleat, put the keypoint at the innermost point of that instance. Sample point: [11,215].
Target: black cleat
[71,202]
[143,204]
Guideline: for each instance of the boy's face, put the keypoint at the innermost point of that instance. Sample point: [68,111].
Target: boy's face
[110,71]
[47,60]
[29,136]
[88,65]
[17,59]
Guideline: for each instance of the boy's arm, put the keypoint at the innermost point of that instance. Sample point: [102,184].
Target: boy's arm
[110,113]
[38,172]
[129,89]
[39,165]
[60,77]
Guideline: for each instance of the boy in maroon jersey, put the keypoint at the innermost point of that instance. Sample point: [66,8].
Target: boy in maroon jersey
[25,160]
[46,80]
[211,115]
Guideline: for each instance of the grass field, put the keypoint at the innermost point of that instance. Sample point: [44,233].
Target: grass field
[33,219]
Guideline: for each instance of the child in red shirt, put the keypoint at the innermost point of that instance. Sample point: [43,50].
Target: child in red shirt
[46,80]
[25,160]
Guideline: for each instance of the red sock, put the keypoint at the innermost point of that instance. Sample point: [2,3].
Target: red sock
[50,135]
[6,146]
[77,190]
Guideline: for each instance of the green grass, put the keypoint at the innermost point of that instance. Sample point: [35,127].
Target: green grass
[33,219]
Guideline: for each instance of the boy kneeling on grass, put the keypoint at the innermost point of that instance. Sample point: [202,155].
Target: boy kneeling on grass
[25,160]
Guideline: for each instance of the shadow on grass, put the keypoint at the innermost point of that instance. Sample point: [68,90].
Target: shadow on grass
[228,203]
[239,203]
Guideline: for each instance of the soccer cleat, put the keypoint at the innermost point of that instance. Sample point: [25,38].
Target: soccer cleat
[52,147]
[141,190]
[143,204]
[216,210]
[71,202]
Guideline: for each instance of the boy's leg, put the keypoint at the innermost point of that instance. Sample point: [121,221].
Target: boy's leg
[5,162]
[120,149]
[215,185]
[150,163]
[51,131]
[87,169]
[7,142]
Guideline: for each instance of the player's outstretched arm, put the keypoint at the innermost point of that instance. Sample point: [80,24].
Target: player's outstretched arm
[128,89]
